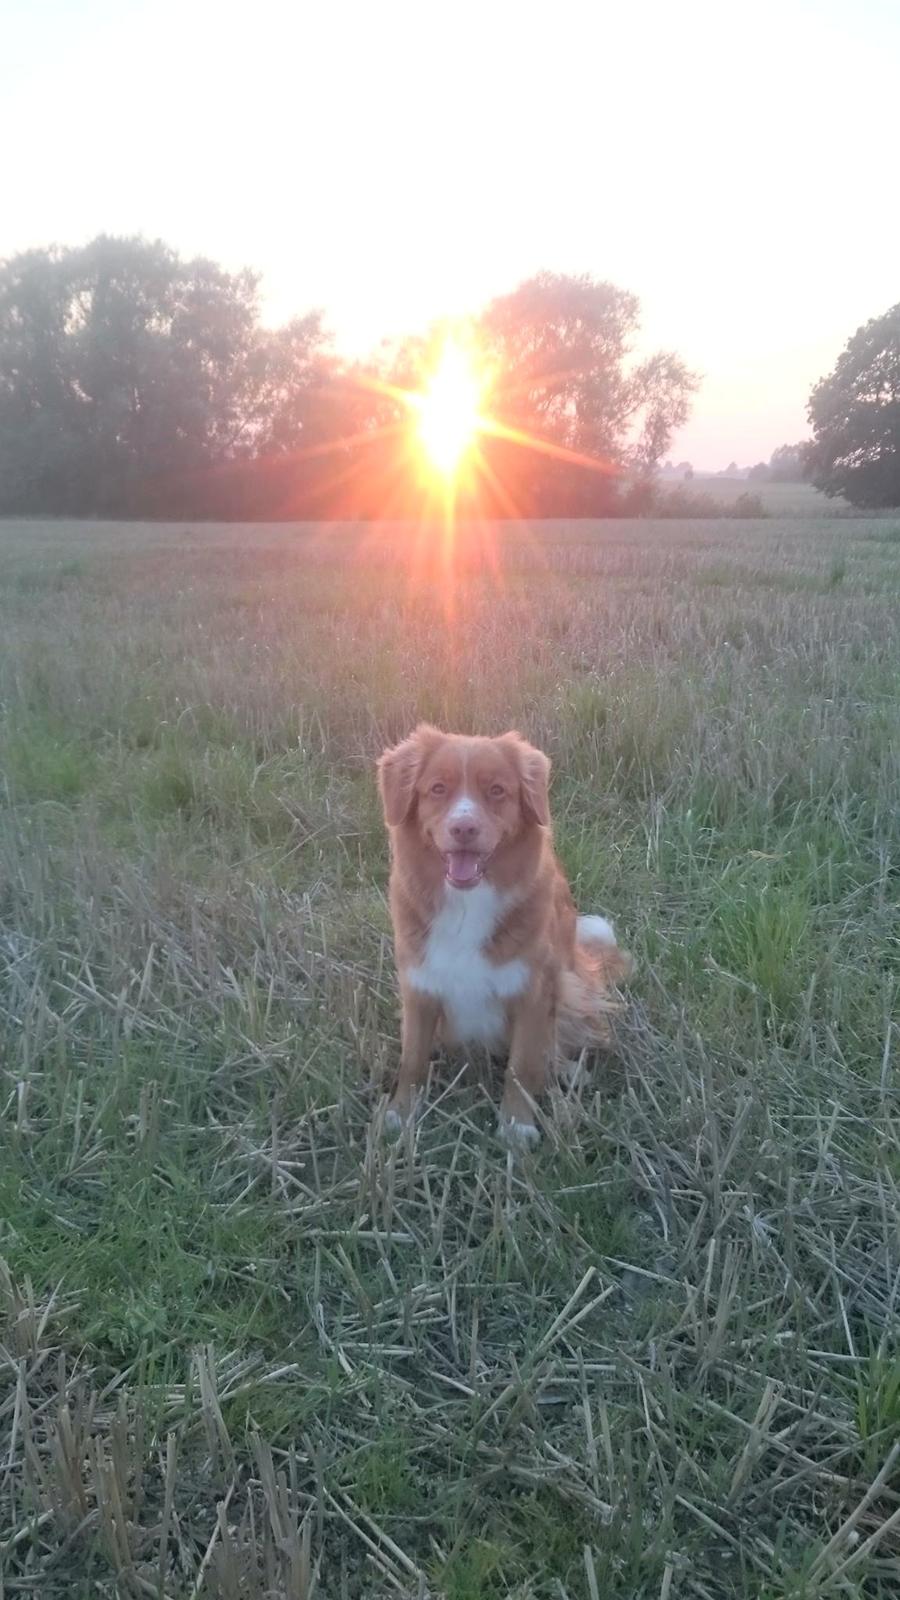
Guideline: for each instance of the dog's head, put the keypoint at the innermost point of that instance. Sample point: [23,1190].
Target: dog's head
[467,797]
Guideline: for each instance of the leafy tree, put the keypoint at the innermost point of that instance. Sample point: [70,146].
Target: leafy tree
[560,346]
[43,435]
[855,416]
[127,375]
[288,403]
[787,464]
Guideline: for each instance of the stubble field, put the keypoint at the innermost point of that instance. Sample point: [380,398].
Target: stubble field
[249,1349]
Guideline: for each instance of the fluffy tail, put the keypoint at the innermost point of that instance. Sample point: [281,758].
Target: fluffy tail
[589,997]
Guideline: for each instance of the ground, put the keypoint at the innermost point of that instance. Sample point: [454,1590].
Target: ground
[778,499]
[247,1347]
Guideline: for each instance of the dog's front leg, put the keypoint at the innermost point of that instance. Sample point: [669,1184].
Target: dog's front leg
[531,1049]
[420,1018]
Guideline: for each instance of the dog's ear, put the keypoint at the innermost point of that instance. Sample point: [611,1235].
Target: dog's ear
[534,776]
[398,772]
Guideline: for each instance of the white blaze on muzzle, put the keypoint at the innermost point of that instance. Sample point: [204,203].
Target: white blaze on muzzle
[464,864]
[465,809]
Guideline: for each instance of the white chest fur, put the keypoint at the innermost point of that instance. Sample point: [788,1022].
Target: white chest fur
[455,969]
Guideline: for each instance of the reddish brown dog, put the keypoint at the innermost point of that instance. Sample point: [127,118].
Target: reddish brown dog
[489,948]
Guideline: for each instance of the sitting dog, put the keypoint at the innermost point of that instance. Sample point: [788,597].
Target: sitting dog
[489,948]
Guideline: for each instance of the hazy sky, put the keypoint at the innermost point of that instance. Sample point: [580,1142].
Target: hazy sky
[734,165]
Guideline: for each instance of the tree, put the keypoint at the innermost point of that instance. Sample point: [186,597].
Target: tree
[42,433]
[855,417]
[787,464]
[560,346]
[576,417]
[128,376]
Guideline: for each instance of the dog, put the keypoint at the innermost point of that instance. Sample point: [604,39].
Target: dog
[489,948]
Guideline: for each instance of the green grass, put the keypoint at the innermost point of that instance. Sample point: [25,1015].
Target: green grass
[660,1356]
[779,499]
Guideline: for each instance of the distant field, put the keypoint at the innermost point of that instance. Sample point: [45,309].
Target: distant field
[779,499]
[247,1349]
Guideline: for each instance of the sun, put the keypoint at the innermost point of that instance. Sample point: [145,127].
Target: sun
[448,417]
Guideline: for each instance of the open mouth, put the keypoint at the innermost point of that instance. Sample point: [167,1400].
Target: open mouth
[464,868]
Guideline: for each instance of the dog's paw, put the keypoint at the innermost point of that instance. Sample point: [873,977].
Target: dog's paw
[517,1134]
[399,1116]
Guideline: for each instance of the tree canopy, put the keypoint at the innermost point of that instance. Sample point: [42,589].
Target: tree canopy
[127,375]
[855,416]
[561,348]
[134,382]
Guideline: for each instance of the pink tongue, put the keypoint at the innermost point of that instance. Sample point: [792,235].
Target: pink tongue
[462,866]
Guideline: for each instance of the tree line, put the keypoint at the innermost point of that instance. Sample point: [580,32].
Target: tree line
[136,383]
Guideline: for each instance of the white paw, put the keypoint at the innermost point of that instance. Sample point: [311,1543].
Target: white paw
[521,1135]
[596,929]
[396,1120]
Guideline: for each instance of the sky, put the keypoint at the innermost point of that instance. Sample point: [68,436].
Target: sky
[394,162]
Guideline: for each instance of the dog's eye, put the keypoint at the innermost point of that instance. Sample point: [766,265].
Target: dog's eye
[496,791]
[438,788]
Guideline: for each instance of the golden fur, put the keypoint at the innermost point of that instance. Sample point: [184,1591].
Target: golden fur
[488,944]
